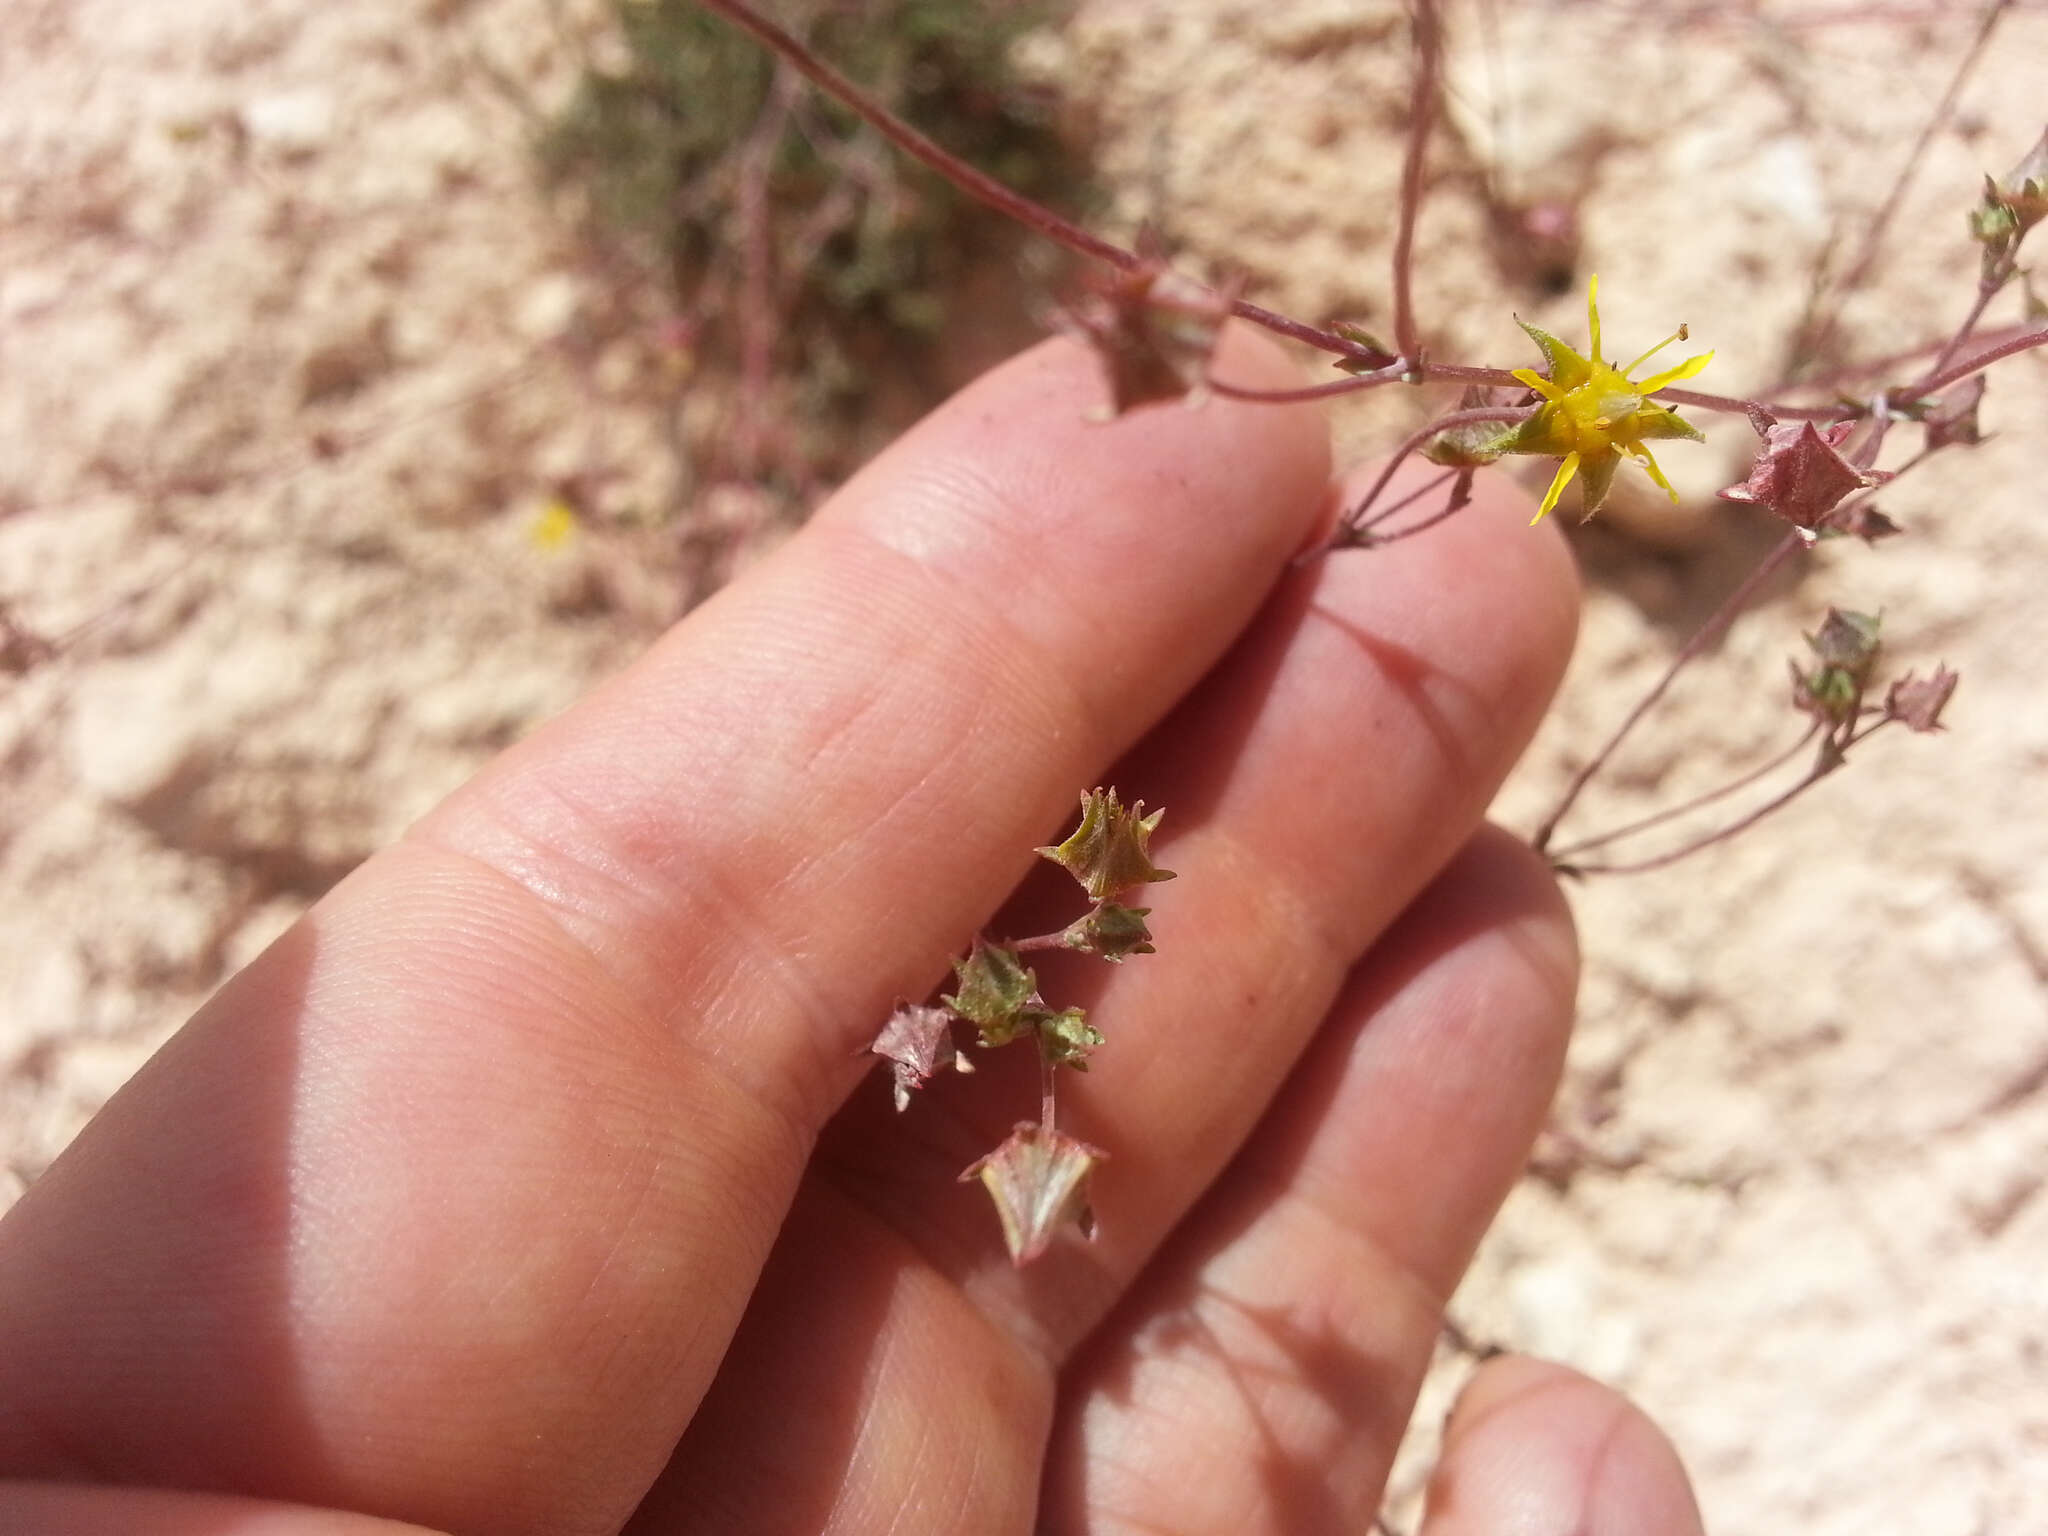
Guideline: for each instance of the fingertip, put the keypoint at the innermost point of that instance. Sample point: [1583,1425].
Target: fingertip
[1519,895]
[1536,1449]
[63,1509]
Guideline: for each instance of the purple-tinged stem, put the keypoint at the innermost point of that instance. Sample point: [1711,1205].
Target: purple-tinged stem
[1458,373]
[1829,759]
[1704,636]
[1351,521]
[1460,498]
[986,189]
[1986,291]
[1393,373]
[1686,807]
[1421,116]
[1939,380]
[1820,322]
[1038,941]
[1735,405]
[914,144]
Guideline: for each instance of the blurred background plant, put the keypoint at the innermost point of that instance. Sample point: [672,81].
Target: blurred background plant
[808,268]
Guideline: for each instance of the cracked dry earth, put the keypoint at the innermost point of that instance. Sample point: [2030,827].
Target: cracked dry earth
[294,355]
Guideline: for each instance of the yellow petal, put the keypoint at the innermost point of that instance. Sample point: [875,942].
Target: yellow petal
[1593,315]
[1643,458]
[1684,370]
[1540,384]
[1563,478]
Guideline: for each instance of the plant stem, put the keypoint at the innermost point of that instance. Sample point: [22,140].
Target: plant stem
[1939,380]
[1826,763]
[1563,856]
[1736,405]
[1421,115]
[1456,502]
[1393,373]
[1037,941]
[1352,521]
[986,189]
[1704,636]
[1820,322]
[1986,291]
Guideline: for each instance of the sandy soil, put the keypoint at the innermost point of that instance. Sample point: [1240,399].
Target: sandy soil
[295,357]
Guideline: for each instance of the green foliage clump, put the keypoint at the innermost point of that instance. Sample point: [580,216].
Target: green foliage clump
[782,223]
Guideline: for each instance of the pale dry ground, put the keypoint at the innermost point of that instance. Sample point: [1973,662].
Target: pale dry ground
[293,355]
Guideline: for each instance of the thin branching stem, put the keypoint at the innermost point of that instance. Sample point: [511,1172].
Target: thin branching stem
[914,144]
[1421,116]
[1821,320]
[1736,405]
[1459,373]
[1369,537]
[1698,802]
[1830,757]
[1705,636]
[1409,500]
[1056,940]
[1351,385]
[986,189]
[1977,362]
[1353,520]
[1987,290]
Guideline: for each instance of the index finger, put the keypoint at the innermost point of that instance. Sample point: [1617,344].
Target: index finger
[447,1207]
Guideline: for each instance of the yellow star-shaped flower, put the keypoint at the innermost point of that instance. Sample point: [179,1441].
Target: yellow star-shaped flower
[1593,412]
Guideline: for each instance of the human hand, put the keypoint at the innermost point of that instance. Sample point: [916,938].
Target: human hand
[518,1187]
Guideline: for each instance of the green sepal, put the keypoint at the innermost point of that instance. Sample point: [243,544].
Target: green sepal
[1567,370]
[1108,851]
[1364,338]
[1545,432]
[1065,1038]
[1465,447]
[1110,931]
[996,988]
[1654,420]
[1596,477]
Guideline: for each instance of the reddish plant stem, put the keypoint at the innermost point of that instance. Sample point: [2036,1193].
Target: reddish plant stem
[914,144]
[1821,321]
[1736,405]
[1563,856]
[1421,116]
[1409,500]
[759,304]
[1436,373]
[1986,292]
[986,189]
[1351,522]
[1391,374]
[1832,755]
[1940,379]
[1456,502]
[1704,636]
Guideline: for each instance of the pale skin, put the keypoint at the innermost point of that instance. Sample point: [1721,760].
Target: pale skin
[536,1182]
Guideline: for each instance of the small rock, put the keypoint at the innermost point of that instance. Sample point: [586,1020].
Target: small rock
[291,123]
